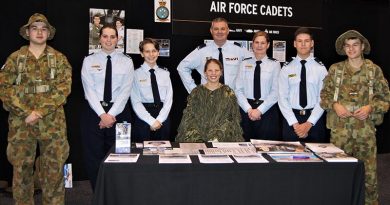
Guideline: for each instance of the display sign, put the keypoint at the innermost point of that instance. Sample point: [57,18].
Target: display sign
[194,17]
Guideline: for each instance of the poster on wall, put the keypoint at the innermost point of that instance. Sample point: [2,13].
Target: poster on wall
[279,50]
[100,17]
[133,38]
[162,11]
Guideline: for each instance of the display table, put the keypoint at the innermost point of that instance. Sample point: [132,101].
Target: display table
[147,182]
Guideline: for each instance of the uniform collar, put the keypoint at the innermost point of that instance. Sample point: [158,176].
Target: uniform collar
[224,45]
[307,59]
[146,67]
[113,54]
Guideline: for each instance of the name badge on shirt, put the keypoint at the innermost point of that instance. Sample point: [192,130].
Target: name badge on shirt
[292,75]
[97,67]
[232,59]
[143,80]
[248,66]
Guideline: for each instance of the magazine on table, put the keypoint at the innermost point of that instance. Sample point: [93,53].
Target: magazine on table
[269,146]
[330,153]
[294,157]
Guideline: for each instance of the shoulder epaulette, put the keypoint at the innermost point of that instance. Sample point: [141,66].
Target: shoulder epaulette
[318,61]
[89,54]
[288,61]
[272,59]
[246,58]
[237,44]
[201,46]
[127,55]
[164,68]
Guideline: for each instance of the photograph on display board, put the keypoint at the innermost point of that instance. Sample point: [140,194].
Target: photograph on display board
[279,50]
[100,17]
[165,45]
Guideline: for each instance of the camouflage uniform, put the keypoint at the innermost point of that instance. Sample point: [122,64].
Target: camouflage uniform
[211,115]
[94,35]
[354,136]
[42,84]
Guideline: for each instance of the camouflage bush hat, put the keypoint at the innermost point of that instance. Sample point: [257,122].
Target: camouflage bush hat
[348,35]
[37,17]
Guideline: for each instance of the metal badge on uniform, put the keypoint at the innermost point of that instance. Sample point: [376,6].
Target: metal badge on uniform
[143,80]
[208,58]
[97,67]
[292,75]
[248,66]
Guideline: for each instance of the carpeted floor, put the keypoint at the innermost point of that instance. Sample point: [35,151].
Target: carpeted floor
[81,193]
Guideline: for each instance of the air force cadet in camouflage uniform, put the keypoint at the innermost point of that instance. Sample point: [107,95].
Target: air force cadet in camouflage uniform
[227,52]
[34,84]
[356,95]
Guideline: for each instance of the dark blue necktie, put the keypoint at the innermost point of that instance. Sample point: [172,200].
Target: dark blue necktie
[220,58]
[256,81]
[108,81]
[302,86]
[156,94]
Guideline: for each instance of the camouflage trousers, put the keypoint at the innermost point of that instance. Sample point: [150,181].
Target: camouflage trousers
[50,134]
[357,138]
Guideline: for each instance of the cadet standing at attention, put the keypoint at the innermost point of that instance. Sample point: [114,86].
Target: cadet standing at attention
[257,92]
[34,84]
[300,83]
[356,95]
[107,78]
[151,96]
[230,55]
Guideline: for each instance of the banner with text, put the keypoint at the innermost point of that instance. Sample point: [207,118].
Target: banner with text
[246,16]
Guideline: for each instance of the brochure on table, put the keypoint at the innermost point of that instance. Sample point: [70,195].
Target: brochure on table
[250,158]
[174,159]
[122,158]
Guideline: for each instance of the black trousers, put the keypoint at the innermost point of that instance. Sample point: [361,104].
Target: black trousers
[316,134]
[266,128]
[97,142]
[140,130]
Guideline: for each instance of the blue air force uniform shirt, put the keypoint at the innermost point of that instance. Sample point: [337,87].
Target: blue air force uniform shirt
[232,56]
[142,93]
[93,74]
[270,69]
[289,79]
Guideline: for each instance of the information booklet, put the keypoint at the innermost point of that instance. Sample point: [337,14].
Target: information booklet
[337,157]
[270,146]
[231,144]
[250,158]
[330,153]
[323,147]
[214,159]
[181,151]
[174,159]
[295,157]
[165,144]
[229,150]
[121,158]
[122,140]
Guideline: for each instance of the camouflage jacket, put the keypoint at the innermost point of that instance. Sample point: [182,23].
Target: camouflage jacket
[211,115]
[354,90]
[28,84]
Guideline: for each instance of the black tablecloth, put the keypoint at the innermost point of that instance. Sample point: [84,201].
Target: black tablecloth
[147,182]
